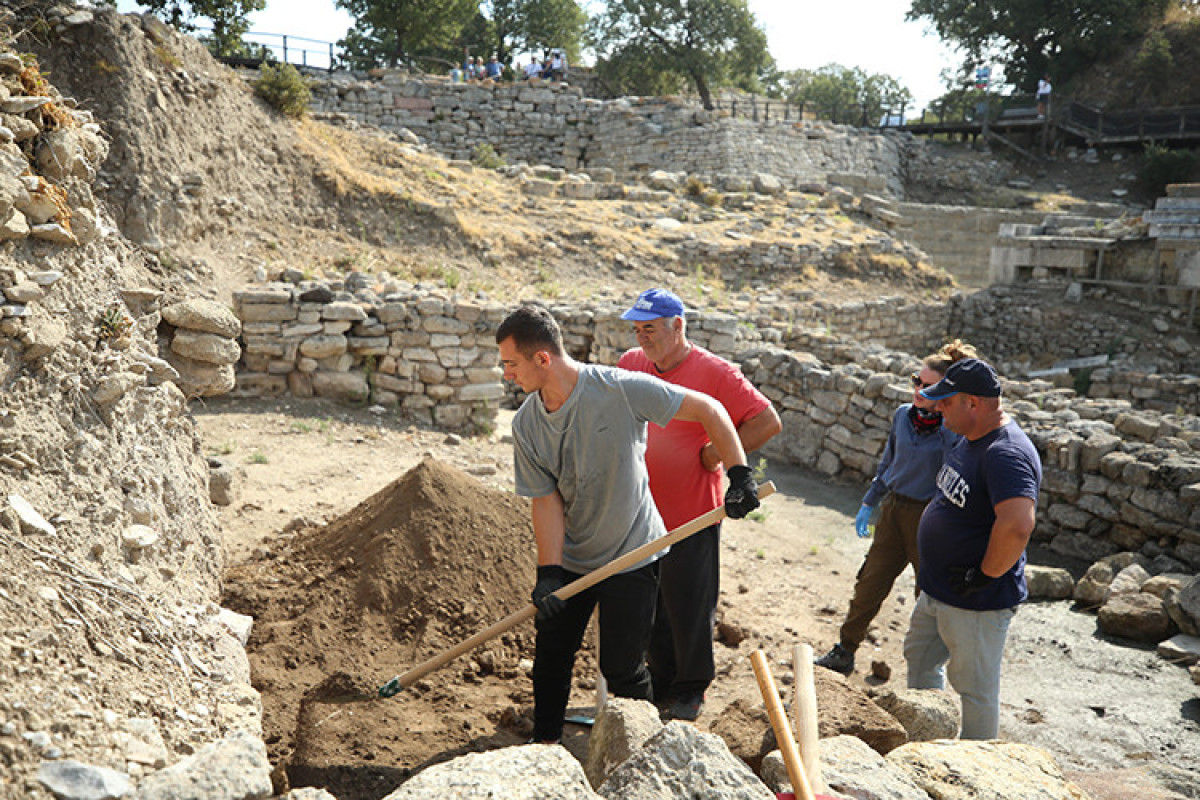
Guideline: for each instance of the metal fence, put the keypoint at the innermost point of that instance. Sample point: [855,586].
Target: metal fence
[282,48]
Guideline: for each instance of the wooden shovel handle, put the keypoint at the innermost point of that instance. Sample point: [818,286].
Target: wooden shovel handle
[804,713]
[573,588]
[783,731]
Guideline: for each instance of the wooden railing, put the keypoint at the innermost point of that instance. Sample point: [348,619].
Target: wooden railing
[1131,125]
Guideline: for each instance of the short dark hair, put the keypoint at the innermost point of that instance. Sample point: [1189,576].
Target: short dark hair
[531,328]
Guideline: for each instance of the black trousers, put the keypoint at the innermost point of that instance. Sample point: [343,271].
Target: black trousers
[681,645]
[626,603]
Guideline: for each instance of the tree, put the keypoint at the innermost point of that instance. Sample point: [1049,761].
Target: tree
[705,42]
[536,25]
[390,32]
[1033,37]
[844,94]
[229,19]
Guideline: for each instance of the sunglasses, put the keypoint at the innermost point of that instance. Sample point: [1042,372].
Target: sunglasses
[918,383]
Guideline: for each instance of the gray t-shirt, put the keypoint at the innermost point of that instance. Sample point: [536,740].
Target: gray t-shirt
[592,450]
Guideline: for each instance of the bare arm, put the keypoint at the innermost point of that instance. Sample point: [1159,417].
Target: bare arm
[697,407]
[1014,523]
[754,433]
[549,528]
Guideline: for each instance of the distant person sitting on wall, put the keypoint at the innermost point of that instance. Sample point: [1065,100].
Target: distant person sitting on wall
[480,69]
[558,66]
[1043,96]
[456,75]
[533,69]
[494,70]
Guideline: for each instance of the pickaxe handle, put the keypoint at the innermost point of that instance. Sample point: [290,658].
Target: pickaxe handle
[573,588]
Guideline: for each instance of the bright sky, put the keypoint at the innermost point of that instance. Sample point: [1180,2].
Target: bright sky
[801,34]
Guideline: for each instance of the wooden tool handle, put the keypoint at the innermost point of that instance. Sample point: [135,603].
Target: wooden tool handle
[804,713]
[573,588]
[783,731]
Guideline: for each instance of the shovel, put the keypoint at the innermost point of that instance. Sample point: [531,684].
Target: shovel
[400,682]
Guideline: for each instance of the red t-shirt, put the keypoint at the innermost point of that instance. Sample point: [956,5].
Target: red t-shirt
[683,489]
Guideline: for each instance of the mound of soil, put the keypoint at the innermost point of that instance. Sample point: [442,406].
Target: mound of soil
[426,562]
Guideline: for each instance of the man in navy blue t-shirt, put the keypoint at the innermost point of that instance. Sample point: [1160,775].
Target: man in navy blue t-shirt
[971,544]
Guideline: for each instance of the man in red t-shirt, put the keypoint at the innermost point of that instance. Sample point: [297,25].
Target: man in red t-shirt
[685,480]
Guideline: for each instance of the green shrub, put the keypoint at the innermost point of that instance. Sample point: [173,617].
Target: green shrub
[1161,165]
[1153,61]
[283,88]
[485,156]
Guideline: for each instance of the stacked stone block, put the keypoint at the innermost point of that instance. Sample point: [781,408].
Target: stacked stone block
[431,356]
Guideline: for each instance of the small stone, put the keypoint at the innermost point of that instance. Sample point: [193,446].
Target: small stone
[31,520]
[72,780]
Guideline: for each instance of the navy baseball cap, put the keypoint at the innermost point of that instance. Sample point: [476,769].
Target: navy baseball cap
[654,303]
[969,376]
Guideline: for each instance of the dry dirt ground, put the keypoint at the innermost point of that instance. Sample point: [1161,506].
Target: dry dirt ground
[359,542]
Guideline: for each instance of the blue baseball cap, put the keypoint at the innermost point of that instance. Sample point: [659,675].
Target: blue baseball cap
[969,376]
[654,303]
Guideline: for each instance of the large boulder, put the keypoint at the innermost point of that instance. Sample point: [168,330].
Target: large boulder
[621,728]
[71,153]
[680,761]
[1048,583]
[846,710]
[530,772]
[973,770]
[206,347]
[234,768]
[1183,606]
[852,769]
[204,316]
[1139,616]
[202,379]
[926,714]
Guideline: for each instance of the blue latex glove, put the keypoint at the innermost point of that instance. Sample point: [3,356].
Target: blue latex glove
[861,521]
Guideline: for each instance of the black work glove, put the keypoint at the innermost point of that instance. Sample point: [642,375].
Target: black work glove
[550,579]
[742,495]
[968,580]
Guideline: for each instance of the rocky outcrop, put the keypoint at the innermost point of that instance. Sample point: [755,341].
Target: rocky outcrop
[680,761]
[620,729]
[532,772]
[975,770]
[925,714]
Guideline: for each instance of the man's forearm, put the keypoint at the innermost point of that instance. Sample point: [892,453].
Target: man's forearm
[549,528]
[1010,535]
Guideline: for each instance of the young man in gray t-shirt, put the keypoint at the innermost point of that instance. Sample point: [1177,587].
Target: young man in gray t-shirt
[579,451]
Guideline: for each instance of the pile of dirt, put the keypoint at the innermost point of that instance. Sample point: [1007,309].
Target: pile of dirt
[416,568]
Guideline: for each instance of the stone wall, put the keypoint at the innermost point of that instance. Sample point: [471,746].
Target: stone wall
[554,124]
[1115,479]
[429,355]
[959,239]
[1021,329]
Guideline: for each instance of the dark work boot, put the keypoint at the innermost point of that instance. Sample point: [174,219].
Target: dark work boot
[839,659]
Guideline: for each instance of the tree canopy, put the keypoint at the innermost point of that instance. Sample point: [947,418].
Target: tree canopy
[389,32]
[1033,37]
[648,46]
[229,18]
[535,26]
[843,94]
